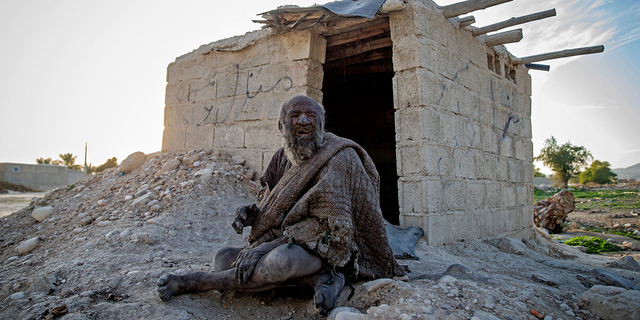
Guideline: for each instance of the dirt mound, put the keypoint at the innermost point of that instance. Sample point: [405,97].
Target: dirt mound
[98,251]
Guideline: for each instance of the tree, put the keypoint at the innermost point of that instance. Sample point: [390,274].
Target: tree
[565,160]
[537,173]
[598,172]
[69,160]
[111,163]
[43,160]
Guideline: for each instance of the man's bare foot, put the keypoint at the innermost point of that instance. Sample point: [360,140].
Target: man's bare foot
[170,285]
[327,294]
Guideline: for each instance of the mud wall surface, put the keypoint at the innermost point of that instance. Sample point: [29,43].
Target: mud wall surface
[227,95]
[463,131]
[41,177]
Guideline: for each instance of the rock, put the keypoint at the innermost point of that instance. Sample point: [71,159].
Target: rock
[481,315]
[127,198]
[612,279]
[238,159]
[78,230]
[82,215]
[125,234]
[510,245]
[374,285]
[86,221]
[457,269]
[17,296]
[113,235]
[427,309]
[168,166]
[27,245]
[104,223]
[102,202]
[142,200]
[626,262]
[447,279]
[42,213]
[152,202]
[132,162]
[204,172]
[629,245]
[611,303]
[115,282]
[79,240]
[155,208]
[348,313]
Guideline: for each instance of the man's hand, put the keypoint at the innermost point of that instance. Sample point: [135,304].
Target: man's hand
[247,260]
[244,217]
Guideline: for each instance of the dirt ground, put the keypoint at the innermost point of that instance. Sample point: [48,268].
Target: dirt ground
[109,238]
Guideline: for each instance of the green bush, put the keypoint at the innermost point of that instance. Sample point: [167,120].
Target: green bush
[593,244]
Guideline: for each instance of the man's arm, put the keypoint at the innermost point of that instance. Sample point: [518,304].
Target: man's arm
[244,217]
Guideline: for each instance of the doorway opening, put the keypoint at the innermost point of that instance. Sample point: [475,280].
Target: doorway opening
[358,97]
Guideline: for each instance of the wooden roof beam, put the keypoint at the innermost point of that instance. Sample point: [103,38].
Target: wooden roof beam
[514,21]
[465,21]
[460,8]
[559,54]
[503,37]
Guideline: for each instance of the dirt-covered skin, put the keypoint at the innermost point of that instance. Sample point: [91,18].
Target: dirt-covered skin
[99,273]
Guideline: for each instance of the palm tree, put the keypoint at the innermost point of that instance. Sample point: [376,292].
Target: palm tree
[43,160]
[69,160]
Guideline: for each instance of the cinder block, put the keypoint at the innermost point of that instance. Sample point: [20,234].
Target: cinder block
[256,107]
[515,219]
[501,223]
[438,160]
[493,199]
[188,68]
[267,78]
[232,83]
[464,163]
[461,104]
[485,165]
[410,220]
[455,195]
[490,139]
[484,223]
[450,65]
[476,194]
[304,45]
[213,111]
[414,124]
[180,115]
[253,157]
[263,136]
[522,197]
[527,216]
[305,73]
[202,89]
[515,171]
[451,227]
[176,93]
[435,195]
[411,160]
[506,146]
[199,136]
[508,195]
[228,136]
[414,51]
[420,87]
[173,139]
[411,192]
[527,168]
[502,169]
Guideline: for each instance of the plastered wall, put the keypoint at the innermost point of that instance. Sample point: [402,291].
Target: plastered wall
[463,131]
[40,177]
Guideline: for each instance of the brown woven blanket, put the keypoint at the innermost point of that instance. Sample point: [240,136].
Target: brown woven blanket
[330,205]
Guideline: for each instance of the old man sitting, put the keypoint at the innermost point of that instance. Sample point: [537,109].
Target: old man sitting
[319,223]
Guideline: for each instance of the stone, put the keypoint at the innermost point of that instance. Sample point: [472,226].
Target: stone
[155,208]
[457,269]
[374,285]
[142,200]
[611,303]
[348,312]
[42,213]
[86,221]
[78,230]
[238,159]
[115,282]
[152,202]
[629,245]
[612,279]
[481,315]
[446,279]
[204,172]
[168,166]
[127,198]
[79,240]
[104,223]
[17,296]
[102,202]
[510,245]
[27,245]
[132,162]
[113,235]
[125,234]
[626,262]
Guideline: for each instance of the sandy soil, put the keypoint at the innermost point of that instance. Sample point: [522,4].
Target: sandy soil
[12,202]
[110,238]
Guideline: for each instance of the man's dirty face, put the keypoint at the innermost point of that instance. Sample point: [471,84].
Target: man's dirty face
[302,125]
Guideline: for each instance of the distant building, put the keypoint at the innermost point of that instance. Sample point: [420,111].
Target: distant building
[41,177]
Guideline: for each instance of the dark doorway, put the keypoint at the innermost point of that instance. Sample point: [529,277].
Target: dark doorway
[358,97]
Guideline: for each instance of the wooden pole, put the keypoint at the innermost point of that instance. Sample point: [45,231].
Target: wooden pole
[561,54]
[542,67]
[465,21]
[456,9]
[514,21]
[503,37]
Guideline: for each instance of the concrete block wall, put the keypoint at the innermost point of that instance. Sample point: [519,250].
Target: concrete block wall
[230,100]
[40,177]
[463,131]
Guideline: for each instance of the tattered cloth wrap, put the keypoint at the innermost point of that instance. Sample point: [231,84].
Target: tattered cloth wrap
[330,205]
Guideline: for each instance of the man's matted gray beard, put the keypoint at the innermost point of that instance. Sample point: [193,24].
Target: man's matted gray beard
[299,149]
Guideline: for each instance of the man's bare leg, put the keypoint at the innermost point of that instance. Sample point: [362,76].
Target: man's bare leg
[224,258]
[279,265]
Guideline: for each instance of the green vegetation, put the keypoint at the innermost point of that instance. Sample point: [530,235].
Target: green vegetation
[598,172]
[537,173]
[593,244]
[565,160]
[43,160]
[69,160]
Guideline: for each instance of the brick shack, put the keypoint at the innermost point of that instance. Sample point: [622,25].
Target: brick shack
[443,109]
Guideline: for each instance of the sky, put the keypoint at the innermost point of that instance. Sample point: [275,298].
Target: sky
[82,71]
